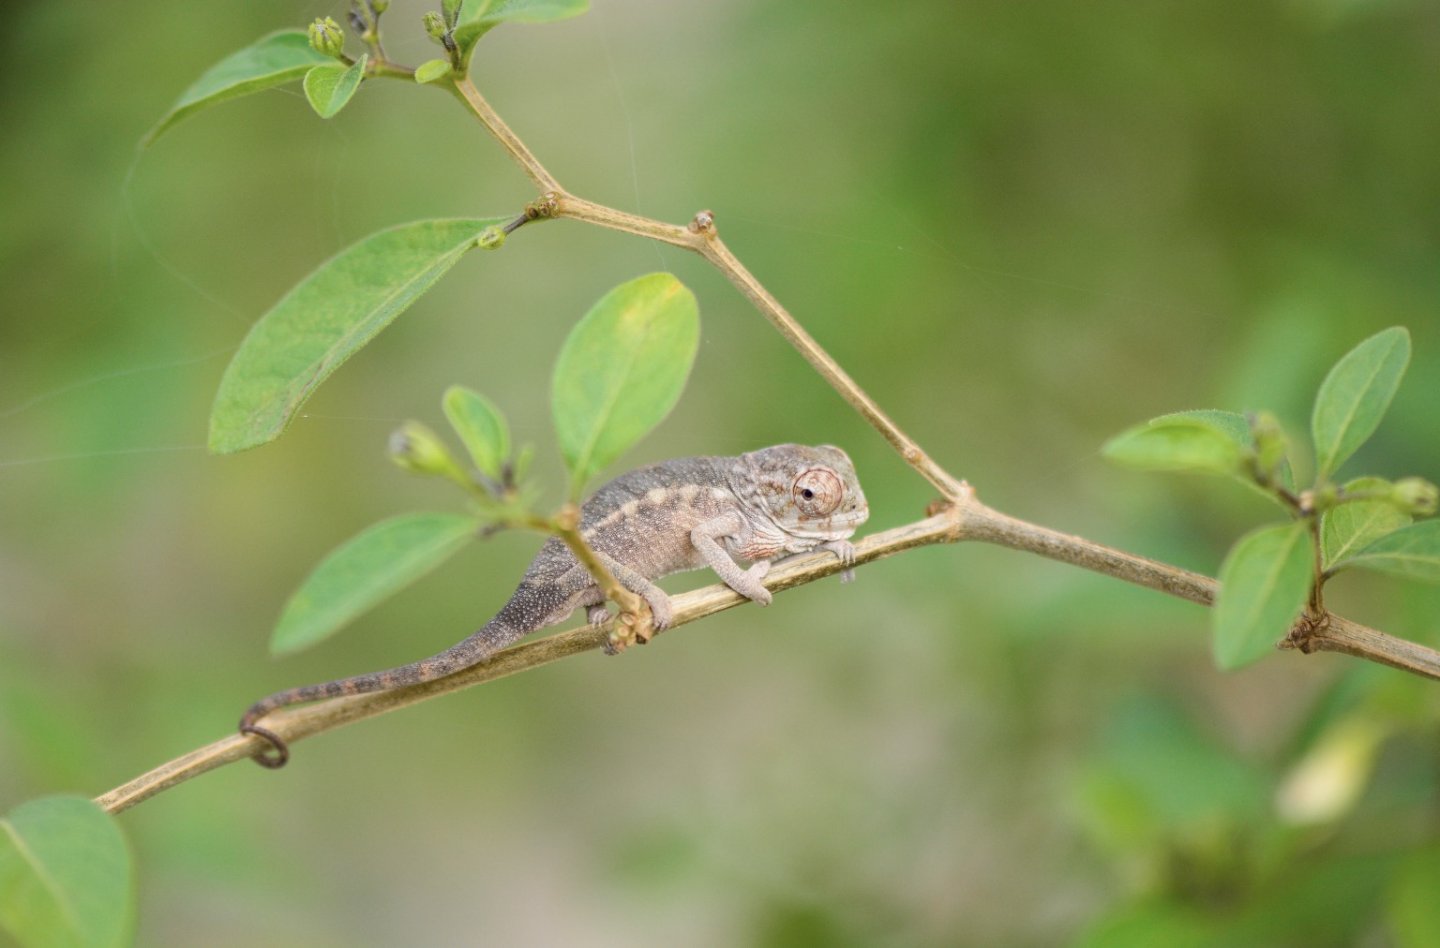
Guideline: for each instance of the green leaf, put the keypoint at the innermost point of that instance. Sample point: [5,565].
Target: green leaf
[1179,442]
[621,371]
[1232,424]
[1412,552]
[1264,582]
[330,86]
[1350,527]
[324,320]
[273,60]
[481,426]
[65,875]
[481,16]
[1355,395]
[432,70]
[367,570]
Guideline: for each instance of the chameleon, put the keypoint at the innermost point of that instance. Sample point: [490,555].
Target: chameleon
[683,514]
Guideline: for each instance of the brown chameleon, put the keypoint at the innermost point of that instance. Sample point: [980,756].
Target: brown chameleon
[678,515]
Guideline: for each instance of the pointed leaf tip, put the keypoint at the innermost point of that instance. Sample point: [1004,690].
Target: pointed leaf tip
[621,370]
[365,571]
[324,320]
[1355,395]
[270,61]
[481,427]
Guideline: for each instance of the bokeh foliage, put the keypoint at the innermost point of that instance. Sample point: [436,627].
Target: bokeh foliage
[1022,228]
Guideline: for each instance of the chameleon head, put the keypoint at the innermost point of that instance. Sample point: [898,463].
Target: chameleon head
[810,493]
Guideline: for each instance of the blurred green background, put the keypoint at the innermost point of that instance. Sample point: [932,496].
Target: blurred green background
[1023,227]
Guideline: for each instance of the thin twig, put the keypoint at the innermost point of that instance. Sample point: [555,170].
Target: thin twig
[296,723]
[508,140]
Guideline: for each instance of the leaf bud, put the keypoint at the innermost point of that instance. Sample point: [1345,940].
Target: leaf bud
[326,37]
[1270,445]
[419,450]
[1416,496]
[1321,499]
[434,25]
[491,238]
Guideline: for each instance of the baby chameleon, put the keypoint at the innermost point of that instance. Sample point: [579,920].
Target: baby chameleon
[678,515]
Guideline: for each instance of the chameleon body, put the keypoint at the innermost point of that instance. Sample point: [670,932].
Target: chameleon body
[679,515]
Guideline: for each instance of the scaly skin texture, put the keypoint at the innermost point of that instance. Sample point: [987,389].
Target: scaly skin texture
[678,515]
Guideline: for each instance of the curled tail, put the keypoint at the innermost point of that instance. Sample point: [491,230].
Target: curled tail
[495,635]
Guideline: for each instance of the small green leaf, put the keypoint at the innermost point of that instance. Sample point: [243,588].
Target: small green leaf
[1354,396]
[1264,582]
[481,16]
[1350,527]
[1179,442]
[621,371]
[432,70]
[271,61]
[481,426]
[1232,424]
[324,320]
[330,86]
[365,571]
[65,875]
[1412,552]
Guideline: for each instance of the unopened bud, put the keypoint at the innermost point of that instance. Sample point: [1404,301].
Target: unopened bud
[491,238]
[326,37]
[434,25]
[1321,499]
[418,449]
[1416,496]
[379,6]
[1270,444]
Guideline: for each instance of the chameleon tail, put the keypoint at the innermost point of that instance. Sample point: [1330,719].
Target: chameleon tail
[495,635]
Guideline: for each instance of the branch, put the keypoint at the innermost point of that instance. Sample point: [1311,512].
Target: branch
[508,140]
[293,724]
[966,519]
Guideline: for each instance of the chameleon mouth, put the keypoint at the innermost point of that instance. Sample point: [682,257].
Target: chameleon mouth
[834,527]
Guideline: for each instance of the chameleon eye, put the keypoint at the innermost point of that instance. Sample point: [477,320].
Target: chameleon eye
[818,492]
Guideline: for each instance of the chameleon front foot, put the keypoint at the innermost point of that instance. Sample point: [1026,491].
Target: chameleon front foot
[264,758]
[845,551]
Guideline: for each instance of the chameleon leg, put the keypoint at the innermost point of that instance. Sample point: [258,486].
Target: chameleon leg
[747,582]
[660,611]
[846,551]
[594,602]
